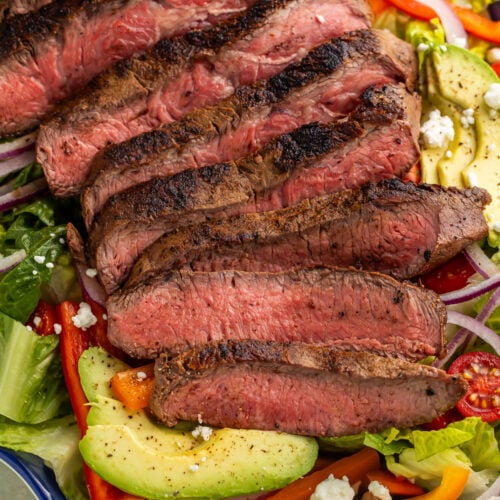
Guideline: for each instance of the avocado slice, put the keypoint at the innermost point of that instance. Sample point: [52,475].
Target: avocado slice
[128,449]
[462,79]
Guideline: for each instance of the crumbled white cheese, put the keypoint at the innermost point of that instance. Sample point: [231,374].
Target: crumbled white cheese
[449,154]
[379,491]
[62,241]
[467,117]
[37,320]
[495,226]
[49,265]
[28,327]
[104,316]
[459,41]
[330,488]
[492,96]
[320,18]
[422,47]
[40,259]
[437,130]
[443,48]
[472,178]
[84,317]
[142,375]
[493,55]
[57,328]
[34,272]
[194,467]
[493,114]
[491,147]
[202,431]
[91,272]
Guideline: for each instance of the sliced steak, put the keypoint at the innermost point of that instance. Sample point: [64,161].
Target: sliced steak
[378,140]
[357,310]
[325,85]
[394,228]
[299,389]
[15,7]
[182,74]
[51,53]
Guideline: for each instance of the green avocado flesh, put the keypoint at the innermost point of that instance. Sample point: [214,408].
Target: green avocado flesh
[457,80]
[132,452]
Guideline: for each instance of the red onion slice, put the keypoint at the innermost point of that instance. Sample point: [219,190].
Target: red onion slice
[17,163]
[453,27]
[471,292]
[477,328]
[23,194]
[480,261]
[11,148]
[90,285]
[12,260]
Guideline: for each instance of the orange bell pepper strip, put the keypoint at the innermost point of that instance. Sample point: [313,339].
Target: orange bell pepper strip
[451,487]
[133,387]
[475,24]
[73,342]
[396,485]
[355,467]
[378,6]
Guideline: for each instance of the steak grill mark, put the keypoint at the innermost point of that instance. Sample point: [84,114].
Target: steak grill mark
[326,84]
[180,75]
[343,154]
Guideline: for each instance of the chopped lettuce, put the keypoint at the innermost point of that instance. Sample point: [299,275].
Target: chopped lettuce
[56,442]
[31,382]
[421,455]
[32,228]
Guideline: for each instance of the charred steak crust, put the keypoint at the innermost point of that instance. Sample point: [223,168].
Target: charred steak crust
[191,196]
[298,388]
[138,76]
[160,91]
[51,53]
[393,227]
[357,310]
[153,153]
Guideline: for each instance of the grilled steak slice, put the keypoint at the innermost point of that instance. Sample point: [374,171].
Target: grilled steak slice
[394,227]
[49,54]
[378,140]
[326,84]
[299,389]
[13,7]
[357,310]
[185,73]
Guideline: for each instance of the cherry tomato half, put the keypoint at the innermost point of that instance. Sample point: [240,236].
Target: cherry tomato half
[482,372]
[43,318]
[451,275]
[443,420]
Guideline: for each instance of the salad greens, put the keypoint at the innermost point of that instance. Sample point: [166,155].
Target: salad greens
[32,228]
[421,455]
[56,442]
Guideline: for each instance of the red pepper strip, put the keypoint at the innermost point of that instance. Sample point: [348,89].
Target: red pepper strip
[475,24]
[43,319]
[73,343]
[496,68]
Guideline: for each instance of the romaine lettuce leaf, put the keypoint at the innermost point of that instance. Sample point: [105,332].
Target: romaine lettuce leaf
[31,381]
[56,442]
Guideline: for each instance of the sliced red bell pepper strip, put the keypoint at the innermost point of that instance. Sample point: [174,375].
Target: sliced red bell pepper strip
[74,341]
[399,486]
[475,24]
[43,319]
